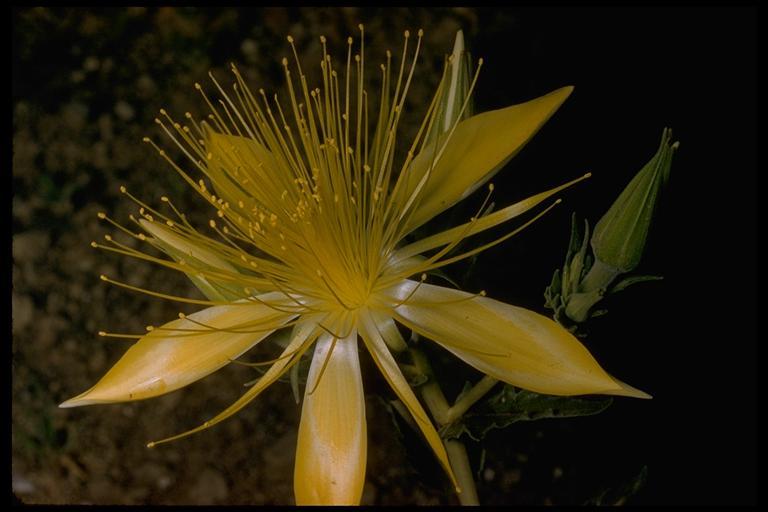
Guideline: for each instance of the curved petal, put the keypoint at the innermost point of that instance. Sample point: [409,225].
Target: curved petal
[480,224]
[183,351]
[374,341]
[332,445]
[478,148]
[512,344]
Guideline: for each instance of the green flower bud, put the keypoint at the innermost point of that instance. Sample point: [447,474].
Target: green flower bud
[619,237]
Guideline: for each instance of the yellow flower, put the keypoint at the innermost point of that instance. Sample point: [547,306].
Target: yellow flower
[312,215]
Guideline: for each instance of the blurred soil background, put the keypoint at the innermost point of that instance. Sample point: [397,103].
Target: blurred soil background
[87,85]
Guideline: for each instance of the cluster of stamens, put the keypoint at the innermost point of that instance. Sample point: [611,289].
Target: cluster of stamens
[308,202]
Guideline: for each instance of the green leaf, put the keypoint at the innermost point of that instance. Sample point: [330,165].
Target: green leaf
[512,404]
[619,496]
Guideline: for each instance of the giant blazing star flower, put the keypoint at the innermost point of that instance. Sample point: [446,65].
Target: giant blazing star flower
[311,222]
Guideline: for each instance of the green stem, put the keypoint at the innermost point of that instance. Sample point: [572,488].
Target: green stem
[444,414]
[457,454]
[469,398]
[599,277]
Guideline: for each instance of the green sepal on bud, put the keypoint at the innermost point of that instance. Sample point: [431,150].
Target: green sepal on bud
[617,245]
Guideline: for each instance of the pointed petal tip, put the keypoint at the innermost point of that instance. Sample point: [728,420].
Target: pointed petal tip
[630,391]
[563,93]
[82,399]
[74,402]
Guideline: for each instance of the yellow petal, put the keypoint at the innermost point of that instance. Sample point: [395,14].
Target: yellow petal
[480,224]
[374,341]
[167,359]
[304,333]
[198,257]
[332,444]
[245,160]
[478,148]
[186,246]
[512,344]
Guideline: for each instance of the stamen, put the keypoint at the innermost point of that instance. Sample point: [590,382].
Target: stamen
[325,364]
[421,281]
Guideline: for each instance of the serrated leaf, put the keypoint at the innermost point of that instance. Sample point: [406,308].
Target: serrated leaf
[512,404]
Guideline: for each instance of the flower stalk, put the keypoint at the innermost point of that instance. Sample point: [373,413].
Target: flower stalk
[445,414]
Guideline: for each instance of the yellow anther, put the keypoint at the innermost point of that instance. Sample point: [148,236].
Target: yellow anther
[150,328]
[101,215]
[212,223]
[102,333]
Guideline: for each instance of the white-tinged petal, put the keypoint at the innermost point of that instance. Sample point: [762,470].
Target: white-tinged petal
[332,445]
[370,330]
[183,351]
[304,333]
[512,344]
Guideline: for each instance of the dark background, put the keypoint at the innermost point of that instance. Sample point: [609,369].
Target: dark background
[86,85]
